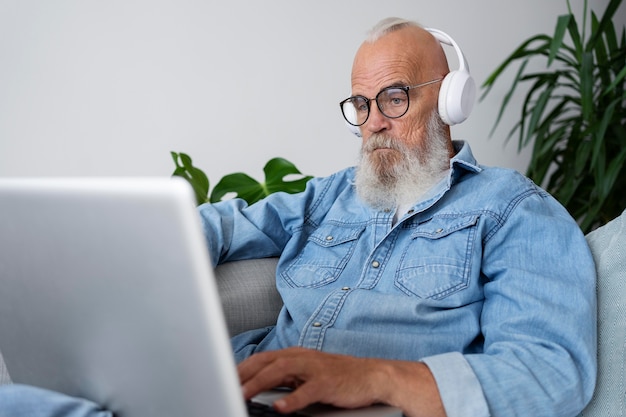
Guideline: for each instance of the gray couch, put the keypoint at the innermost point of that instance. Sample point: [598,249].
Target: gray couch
[251,301]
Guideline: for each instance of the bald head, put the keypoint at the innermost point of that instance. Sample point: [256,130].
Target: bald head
[405,42]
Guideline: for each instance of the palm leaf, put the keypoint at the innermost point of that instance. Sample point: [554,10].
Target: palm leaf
[573,113]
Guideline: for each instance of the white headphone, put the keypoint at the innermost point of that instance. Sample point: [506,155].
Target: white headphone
[458,90]
[457,93]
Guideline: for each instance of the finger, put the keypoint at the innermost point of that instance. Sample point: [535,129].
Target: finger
[298,399]
[259,361]
[252,365]
[278,371]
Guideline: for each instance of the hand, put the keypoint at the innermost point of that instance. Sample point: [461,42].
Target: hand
[340,380]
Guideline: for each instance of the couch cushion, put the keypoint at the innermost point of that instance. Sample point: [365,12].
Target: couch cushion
[608,245]
[4,375]
[248,292]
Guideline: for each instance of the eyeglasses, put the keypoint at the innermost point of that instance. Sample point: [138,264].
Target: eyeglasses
[393,102]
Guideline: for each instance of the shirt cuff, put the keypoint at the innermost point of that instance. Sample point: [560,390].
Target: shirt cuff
[458,385]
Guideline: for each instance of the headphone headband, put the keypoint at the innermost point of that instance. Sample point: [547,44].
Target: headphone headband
[443,37]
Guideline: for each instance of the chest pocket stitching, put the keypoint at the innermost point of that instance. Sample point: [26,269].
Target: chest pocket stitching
[423,276]
[311,271]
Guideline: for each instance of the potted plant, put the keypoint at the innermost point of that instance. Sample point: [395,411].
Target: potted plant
[574,113]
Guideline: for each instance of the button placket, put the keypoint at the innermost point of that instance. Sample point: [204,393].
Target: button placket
[313,336]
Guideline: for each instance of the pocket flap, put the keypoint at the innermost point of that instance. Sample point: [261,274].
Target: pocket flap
[439,227]
[329,235]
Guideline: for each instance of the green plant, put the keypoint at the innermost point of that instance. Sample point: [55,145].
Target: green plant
[574,114]
[243,186]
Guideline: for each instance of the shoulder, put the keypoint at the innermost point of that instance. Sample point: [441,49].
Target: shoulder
[473,180]
[499,185]
[344,177]
[506,178]
[330,186]
[504,195]
[318,196]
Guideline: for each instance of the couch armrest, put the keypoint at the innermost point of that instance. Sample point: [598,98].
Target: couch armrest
[248,292]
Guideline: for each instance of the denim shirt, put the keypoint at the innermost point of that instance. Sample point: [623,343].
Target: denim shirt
[487,280]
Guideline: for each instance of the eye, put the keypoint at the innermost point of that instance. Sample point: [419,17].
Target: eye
[395,97]
[360,104]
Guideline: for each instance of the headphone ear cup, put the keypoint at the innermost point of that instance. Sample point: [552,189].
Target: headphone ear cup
[354,129]
[457,95]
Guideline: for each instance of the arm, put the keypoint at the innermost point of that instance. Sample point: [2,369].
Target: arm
[538,316]
[236,231]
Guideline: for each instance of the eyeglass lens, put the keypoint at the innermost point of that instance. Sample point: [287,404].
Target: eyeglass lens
[392,102]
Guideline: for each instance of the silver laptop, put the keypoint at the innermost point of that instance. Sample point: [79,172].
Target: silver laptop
[107,293]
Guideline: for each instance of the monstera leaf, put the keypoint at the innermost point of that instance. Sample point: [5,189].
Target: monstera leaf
[278,177]
[245,187]
[194,176]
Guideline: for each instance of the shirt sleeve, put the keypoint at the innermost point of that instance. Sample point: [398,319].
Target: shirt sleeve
[538,319]
[234,230]
[454,375]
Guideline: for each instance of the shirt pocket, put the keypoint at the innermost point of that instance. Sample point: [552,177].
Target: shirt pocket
[324,256]
[437,261]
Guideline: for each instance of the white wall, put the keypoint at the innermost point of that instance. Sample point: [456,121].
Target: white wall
[110,87]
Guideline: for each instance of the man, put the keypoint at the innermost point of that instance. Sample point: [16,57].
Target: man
[418,279]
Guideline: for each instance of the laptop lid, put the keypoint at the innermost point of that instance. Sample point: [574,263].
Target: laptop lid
[107,293]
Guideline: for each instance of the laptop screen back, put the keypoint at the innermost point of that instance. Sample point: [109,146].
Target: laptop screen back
[107,293]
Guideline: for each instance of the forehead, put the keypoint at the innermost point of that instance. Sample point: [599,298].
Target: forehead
[391,60]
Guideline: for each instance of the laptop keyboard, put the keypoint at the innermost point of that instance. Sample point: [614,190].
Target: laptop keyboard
[256,409]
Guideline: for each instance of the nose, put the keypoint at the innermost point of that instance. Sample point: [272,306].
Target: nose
[376,122]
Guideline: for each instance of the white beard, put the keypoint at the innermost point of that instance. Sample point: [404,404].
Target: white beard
[401,178]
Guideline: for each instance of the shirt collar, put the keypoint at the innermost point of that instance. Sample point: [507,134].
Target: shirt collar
[462,162]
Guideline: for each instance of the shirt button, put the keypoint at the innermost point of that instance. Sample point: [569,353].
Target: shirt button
[317,324]
[329,238]
[345,288]
[438,230]
[375,264]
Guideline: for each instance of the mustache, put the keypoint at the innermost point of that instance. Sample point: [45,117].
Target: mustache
[378,141]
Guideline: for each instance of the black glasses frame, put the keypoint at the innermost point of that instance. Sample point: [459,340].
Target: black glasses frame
[368,101]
